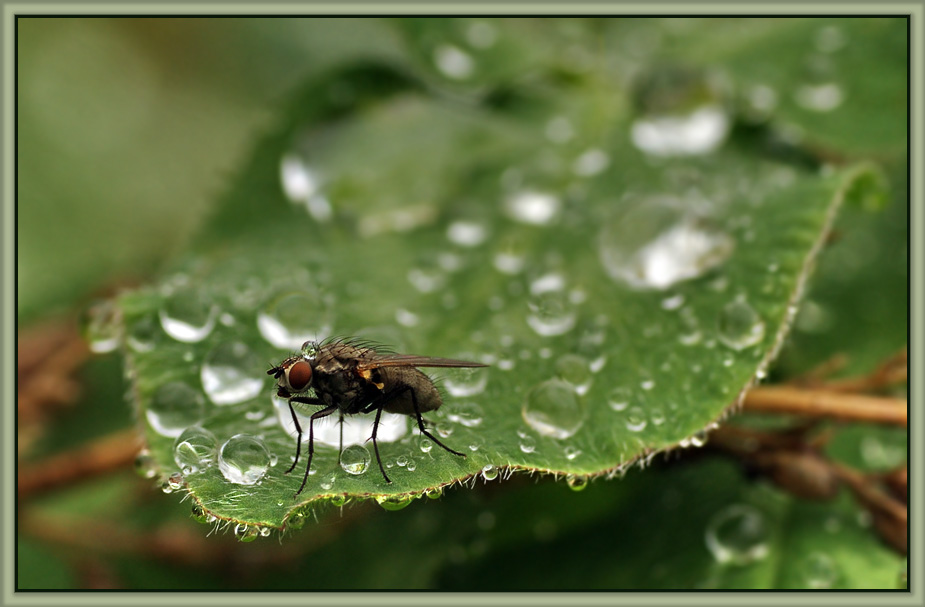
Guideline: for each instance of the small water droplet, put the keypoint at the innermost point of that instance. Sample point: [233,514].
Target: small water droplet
[657,416]
[173,408]
[175,481]
[647,384]
[290,319]
[194,450]
[572,452]
[559,129]
[619,398]
[296,520]
[656,242]
[394,502]
[821,97]
[551,312]
[819,571]
[489,472]
[465,381]
[231,374]
[575,370]
[246,533]
[591,163]
[453,62]
[738,535]
[425,445]
[527,443]
[200,515]
[740,326]
[466,233]
[187,315]
[552,409]
[406,318]
[426,279]
[636,420]
[467,413]
[101,326]
[434,492]
[535,208]
[244,459]
[673,303]
[576,482]
[144,334]
[145,464]
[302,186]
[355,459]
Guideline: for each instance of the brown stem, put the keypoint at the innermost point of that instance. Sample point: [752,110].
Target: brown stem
[92,459]
[824,403]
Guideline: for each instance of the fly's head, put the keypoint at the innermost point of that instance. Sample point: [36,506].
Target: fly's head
[293,376]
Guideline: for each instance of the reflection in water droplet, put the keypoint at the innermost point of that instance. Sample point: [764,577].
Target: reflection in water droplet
[738,535]
[576,482]
[655,242]
[575,370]
[231,374]
[819,571]
[466,233]
[244,459]
[823,97]
[740,326]
[394,502]
[636,419]
[101,326]
[453,62]
[536,208]
[465,381]
[552,409]
[356,429]
[173,408]
[302,186]
[467,413]
[290,319]
[186,315]
[355,459]
[194,450]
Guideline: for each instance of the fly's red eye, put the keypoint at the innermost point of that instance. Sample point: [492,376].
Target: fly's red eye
[300,375]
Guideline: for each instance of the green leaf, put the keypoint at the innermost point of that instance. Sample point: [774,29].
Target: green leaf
[623,301]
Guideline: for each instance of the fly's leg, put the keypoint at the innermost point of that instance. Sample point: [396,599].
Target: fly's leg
[311,441]
[417,414]
[376,445]
[295,420]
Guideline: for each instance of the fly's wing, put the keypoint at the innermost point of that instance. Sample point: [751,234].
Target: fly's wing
[412,360]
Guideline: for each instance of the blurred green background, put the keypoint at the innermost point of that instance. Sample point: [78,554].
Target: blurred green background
[129,128]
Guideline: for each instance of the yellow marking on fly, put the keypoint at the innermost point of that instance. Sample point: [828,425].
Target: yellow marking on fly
[367,375]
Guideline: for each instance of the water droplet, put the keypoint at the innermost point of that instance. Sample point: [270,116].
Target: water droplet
[231,374]
[244,459]
[575,370]
[355,459]
[572,452]
[406,318]
[246,533]
[101,326]
[738,535]
[425,445]
[822,97]
[740,326]
[426,279]
[591,163]
[576,482]
[681,112]
[302,186]
[145,464]
[527,443]
[434,492]
[465,381]
[296,520]
[175,481]
[673,303]
[187,315]
[201,516]
[551,312]
[194,450]
[552,409]
[467,413]
[144,334]
[535,208]
[327,482]
[394,502]
[466,233]
[453,62]
[636,420]
[656,242]
[174,407]
[657,416]
[559,129]
[290,319]
[619,398]
[489,472]
[819,571]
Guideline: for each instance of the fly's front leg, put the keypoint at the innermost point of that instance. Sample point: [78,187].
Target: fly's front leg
[311,440]
[305,400]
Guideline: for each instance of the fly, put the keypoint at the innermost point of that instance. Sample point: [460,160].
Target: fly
[351,377]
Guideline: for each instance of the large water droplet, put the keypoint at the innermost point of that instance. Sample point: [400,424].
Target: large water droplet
[738,535]
[187,315]
[290,319]
[536,208]
[244,459]
[551,311]
[194,450]
[655,242]
[740,326]
[394,502]
[174,407]
[101,326]
[467,413]
[553,409]
[231,373]
[465,381]
[355,459]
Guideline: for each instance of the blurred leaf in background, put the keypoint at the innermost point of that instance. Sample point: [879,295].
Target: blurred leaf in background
[615,213]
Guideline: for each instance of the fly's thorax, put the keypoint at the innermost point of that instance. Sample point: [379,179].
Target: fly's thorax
[408,384]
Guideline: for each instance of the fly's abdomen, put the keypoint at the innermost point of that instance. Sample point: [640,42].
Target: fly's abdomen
[409,384]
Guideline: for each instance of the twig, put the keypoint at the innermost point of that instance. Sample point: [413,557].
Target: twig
[824,403]
[92,459]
